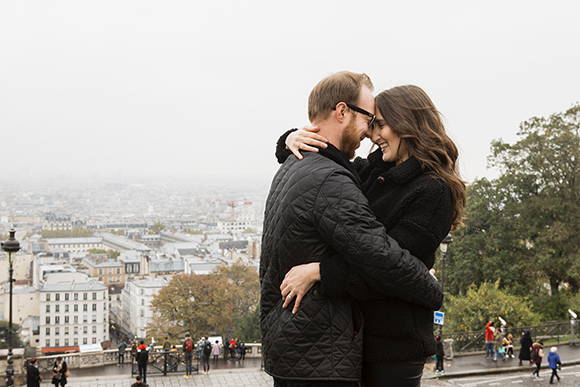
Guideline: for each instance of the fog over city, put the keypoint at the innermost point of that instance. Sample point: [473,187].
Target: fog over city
[200,91]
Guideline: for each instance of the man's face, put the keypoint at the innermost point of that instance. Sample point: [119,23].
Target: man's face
[357,127]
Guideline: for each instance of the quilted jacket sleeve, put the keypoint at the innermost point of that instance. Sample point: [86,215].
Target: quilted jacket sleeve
[345,221]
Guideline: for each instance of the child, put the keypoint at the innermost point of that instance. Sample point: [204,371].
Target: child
[508,343]
[501,352]
[439,356]
[555,363]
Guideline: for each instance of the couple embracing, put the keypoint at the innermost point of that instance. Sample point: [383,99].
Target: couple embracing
[346,292]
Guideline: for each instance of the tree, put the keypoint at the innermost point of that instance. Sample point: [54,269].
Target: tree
[16,342]
[522,227]
[112,254]
[198,304]
[157,228]
[470,311]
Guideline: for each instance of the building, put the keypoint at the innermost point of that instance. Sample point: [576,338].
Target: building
[136,312]
[235,226]
[73,311]
[25,303]
[197,265]
[106,270]
[75,244]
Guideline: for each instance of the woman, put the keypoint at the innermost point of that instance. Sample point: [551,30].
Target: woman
[59,372]
[526,346]
[414,189]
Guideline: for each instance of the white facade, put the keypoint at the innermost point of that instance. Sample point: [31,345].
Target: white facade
[25,303]
[73,311]
[235,226]
[75,244]
[136,299]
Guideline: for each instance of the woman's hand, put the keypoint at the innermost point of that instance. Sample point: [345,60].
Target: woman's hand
[298,282]
[303,139]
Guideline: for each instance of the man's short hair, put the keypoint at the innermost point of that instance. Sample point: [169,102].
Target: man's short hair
[343,86]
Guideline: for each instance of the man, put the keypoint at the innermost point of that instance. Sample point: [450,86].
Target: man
[142,359]
[315,207]
[121,356]
[33,377]
[166,345]
[188,347]
[205,355]
[139,382]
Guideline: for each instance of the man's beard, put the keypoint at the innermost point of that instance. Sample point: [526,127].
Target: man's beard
[349,141]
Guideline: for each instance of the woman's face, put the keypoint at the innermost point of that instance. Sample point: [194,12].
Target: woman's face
[389,142]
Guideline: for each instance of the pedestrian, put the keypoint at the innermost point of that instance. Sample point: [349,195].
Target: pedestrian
[139,382]
[59,372]
[242,350]
[508,343]
[555,363]
[188,347]
[142,359]
[215,351]
[121,355]
[489,340]
[33,377]
[205,355]
[134,346]
[498,345]
[537,356]
[525,347]
[232,346]
[166,345]
[439,356]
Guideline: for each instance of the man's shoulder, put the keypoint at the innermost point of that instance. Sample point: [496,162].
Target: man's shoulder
[313,169]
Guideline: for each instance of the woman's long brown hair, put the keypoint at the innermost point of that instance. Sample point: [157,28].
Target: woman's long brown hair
[411,114]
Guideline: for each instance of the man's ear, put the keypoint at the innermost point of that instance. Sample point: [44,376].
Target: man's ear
[340,112]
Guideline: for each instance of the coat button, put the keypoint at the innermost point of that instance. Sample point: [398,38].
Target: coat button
[381,180]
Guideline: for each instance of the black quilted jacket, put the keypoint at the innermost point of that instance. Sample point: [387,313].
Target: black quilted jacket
[316,208]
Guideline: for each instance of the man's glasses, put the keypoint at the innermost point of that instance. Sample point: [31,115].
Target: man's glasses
[364,112]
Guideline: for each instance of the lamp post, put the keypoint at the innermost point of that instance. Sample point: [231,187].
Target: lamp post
[443,247]
[10,246]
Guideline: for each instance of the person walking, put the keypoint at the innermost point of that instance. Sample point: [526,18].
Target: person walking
[205,355]
[122,348]
[537,356]
[489,340]
[525,347]
[142,359]
[166,345]
[555,363]
[215,351]
[242,350]
[33,377]
[439,356]
[188,348]
[59,372]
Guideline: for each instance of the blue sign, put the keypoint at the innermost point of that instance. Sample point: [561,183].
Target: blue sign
[439,318]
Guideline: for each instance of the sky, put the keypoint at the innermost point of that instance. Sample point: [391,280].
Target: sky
[190,90]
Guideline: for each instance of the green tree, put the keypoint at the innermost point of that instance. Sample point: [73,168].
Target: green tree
[110,253]
[75,232]
[470,311]
[16,342]
[157,228]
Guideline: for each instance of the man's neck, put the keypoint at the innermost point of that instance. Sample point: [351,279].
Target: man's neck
[332,134]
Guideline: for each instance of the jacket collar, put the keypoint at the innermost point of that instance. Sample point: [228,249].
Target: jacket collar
[340,158]
[398,174]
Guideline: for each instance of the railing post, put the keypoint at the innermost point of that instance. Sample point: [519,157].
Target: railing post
[164,363]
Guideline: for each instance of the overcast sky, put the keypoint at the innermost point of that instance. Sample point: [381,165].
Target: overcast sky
[115,89]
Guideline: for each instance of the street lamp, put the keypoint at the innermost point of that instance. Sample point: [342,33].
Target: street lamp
[10,246]
[443,247]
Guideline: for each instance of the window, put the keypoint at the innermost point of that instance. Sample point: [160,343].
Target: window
[76,307]
[94,340]
[85,296]
[85,340]
[142,302]
[66,296]
[66,331]
[47,308]
[47,320]
[66,319]
[76,330]
[85,318]
[57,296]
[100,271]
[85,307]
[57,308]
[66,308]
[85,330]
[47,296]
[76,319]
[94,307]
[57,330]
[118,270]
[66,342]
[94,318]
[142,313]
[76,296]
[48,331]
[76,341]
[57,320]
[56,342]
[48,342]
[94,329]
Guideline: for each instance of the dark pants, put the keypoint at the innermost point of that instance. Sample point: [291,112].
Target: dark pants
[537,370]
[312,383]
[188,361]
[554,373]
[439,366]
[121,358]
[142,371]
[400,374]
[205,362]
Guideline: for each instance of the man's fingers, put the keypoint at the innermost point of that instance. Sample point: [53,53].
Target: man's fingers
[288,299]
[297,303]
